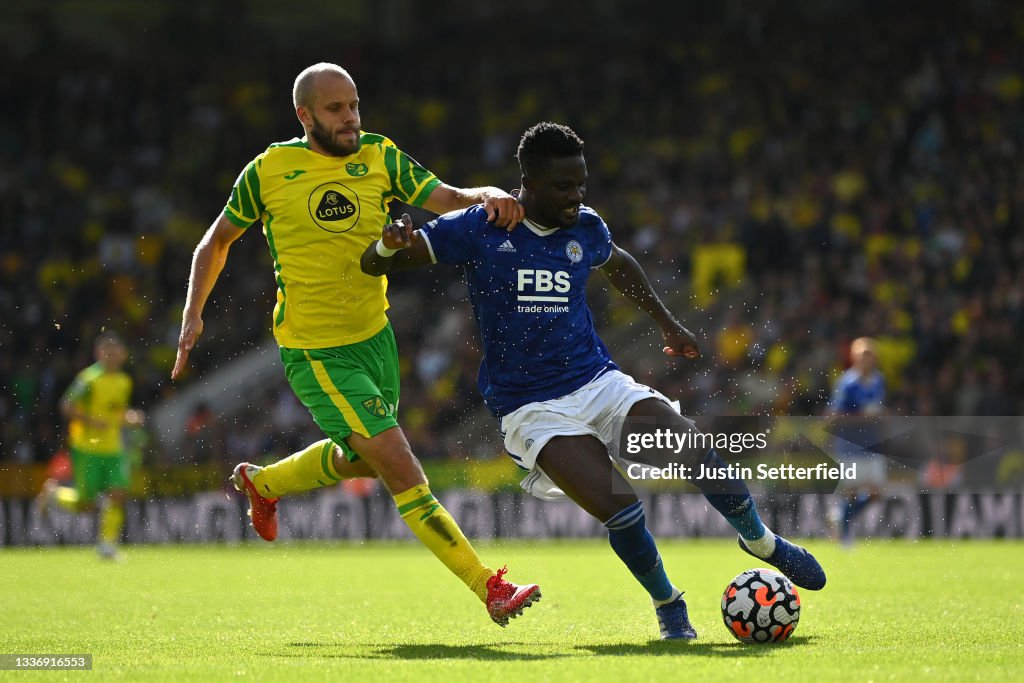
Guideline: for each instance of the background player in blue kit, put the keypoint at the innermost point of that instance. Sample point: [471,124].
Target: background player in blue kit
[546,374]
[860,391]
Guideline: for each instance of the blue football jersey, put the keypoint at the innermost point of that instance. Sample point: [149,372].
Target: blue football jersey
[527,288]
[856,396]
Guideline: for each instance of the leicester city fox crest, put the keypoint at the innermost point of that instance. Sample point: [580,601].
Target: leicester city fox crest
[574,251]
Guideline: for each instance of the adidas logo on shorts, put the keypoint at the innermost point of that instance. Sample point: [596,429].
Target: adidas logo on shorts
[506,246]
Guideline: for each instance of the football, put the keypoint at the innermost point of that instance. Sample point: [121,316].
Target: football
[761,606]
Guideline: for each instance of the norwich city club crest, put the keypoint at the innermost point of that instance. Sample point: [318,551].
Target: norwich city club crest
[375,406]
[356,169]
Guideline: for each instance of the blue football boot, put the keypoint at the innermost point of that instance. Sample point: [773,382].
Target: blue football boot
[795,562]
[674,622]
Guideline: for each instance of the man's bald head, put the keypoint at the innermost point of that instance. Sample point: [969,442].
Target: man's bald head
[305,88]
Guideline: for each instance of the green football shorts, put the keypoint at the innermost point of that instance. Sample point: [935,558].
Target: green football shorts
[96,473]
[351,388]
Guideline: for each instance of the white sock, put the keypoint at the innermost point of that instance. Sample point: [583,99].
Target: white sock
[762,547]
[675,594]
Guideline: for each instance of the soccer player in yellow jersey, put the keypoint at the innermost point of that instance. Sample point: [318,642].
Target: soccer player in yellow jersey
[322,200]
[96,406]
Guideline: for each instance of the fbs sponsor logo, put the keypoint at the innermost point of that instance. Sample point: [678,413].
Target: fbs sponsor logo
[355,169]
[532,281]
[375,406]
[539,291]
[334,207]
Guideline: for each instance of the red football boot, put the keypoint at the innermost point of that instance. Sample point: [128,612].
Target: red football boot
[506,600]
[262,511]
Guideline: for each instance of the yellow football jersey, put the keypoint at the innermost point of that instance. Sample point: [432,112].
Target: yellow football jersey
[319,214]
[103,397]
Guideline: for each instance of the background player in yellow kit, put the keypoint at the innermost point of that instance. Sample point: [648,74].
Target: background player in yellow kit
[322,200]
[96,406]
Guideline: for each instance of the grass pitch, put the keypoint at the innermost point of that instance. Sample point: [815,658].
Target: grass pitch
[891,611]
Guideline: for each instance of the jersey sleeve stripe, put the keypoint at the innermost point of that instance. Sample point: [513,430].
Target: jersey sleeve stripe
[602,264]
[419,174]
[406,180]
[243,202]
[252,181]
[241,205]
[419,178]
[424,192]
[234,204]
[430,247]
[246,206]
[232,215]
[391,164]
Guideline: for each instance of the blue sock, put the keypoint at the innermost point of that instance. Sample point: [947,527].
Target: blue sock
[635,546]
[852,508]
[859,504]
[845,526]
[732,499]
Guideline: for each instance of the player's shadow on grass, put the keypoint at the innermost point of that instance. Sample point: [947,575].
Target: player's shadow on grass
[418,651]
[481,652]
[661,648]
[655,648]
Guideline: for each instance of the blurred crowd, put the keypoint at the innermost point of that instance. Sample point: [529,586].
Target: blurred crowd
[789,181]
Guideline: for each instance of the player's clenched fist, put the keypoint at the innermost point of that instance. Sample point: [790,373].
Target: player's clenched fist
[398,235]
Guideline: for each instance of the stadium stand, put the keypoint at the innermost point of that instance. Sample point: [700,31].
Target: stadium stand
[791,180]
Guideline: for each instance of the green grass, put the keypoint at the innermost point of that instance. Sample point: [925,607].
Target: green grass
[892,611]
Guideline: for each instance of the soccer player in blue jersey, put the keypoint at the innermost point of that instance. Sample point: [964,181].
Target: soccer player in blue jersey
[860,391]
[562,401]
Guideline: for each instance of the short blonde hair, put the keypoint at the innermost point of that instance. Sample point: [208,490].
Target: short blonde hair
[863,344]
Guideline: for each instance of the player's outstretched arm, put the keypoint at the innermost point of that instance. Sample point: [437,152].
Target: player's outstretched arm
[628,277]
[502,209]
[399,247]
[71,409]
[207,262]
